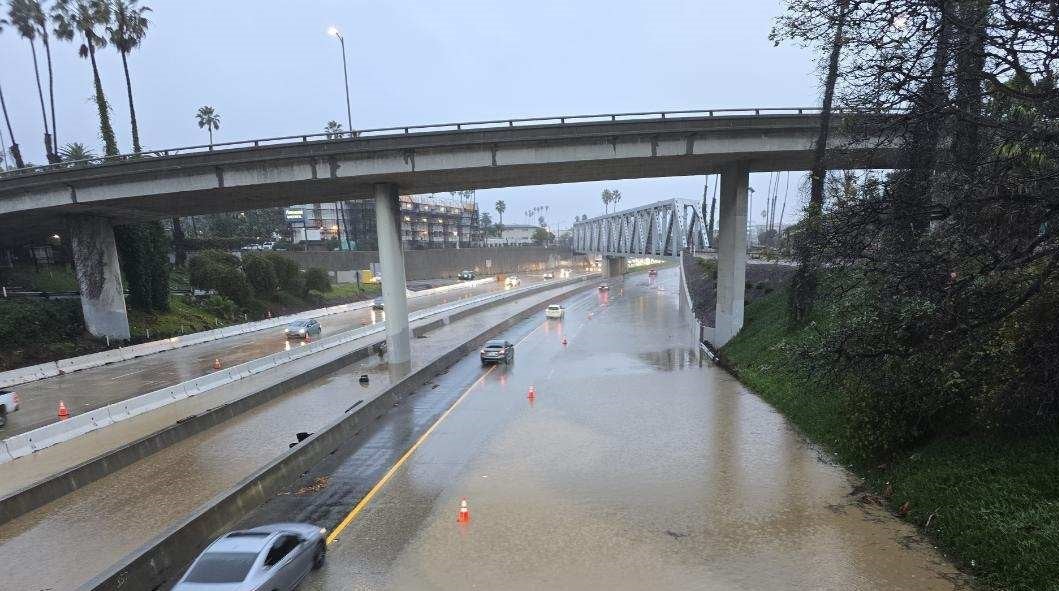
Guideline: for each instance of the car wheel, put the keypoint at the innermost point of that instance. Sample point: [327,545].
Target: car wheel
[319,555]
[3,417]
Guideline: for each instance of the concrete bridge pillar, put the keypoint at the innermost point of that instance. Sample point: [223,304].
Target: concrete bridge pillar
[731,253]
[98,276]
[614,266]
[391,261]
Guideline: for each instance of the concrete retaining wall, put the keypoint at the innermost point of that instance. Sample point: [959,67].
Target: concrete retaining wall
[447,262]
[160,561]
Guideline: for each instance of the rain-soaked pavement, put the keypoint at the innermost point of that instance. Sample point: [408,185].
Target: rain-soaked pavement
[82,533]
[93,388]
[637,466]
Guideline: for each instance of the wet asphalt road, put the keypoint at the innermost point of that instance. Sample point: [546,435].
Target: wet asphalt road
[93,388]
[84,532]
[637,466]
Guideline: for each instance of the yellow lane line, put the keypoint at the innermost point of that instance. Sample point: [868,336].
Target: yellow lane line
[331,537]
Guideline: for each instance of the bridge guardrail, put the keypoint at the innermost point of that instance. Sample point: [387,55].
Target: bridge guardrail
[51,369]
[428,128]
[26,443]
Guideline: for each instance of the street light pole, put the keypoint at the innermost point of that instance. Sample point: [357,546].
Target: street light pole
[345,73]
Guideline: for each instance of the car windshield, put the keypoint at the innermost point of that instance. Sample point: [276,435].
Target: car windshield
[222,567]
[298,324]
[553,307]
[494,345]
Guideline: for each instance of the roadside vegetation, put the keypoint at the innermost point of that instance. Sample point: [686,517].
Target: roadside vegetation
[216,289]
[988,497]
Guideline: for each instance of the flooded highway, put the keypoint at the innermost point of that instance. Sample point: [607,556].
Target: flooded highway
[636,466]
[93,388]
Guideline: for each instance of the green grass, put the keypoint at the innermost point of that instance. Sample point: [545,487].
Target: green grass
[50,278]
[182,318]
[992,502]
[350,292]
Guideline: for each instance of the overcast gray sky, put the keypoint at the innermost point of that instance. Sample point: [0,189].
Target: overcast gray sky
[269,69]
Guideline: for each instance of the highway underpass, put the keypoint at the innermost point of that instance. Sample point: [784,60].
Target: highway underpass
[637,466]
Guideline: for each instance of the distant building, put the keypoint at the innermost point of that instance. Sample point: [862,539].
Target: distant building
[441,221]
[513,235]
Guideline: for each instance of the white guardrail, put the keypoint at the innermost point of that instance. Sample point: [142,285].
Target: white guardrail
[51,369]
[25,444]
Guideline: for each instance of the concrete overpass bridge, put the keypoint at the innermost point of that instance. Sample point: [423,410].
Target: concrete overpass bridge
[86,198]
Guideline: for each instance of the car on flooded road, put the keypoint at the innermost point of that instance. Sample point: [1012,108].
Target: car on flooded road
[302,329]
[548,275]
[465,275]
[274,557]
[497,350]
[604,287]
[554,311]
[378,304]
[652,273]
[512,281]
[8,405]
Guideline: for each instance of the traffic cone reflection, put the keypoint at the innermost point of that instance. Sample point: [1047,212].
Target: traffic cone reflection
[464,516]
[532,393]
[217,363]
[63,411]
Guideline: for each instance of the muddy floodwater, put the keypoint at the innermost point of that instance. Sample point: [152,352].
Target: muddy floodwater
[636,466]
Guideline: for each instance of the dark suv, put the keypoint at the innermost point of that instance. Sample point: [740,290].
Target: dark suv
[465,275]
[496,351]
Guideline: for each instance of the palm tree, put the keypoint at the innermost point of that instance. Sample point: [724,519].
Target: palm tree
[28,17]
[15,153]
[83,16]
[209,119]
[130,27]
[605,197]
[76,152]
[333,129]
[500,207]
[615,197]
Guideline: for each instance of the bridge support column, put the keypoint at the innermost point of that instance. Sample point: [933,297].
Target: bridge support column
[391,261]
[98,274]
[731,253]
[614,266]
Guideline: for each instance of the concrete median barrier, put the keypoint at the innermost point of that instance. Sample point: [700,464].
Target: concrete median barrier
[46,491]
[159,563]
[54,368]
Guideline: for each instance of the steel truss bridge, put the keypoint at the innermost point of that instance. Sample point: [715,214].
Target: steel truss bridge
[661,229]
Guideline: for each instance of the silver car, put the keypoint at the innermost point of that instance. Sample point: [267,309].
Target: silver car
[300,329]
[271,557]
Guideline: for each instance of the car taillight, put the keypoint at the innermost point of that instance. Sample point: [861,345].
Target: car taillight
[14,396]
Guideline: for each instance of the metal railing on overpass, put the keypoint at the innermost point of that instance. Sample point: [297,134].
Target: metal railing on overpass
[559,120]
[662,229]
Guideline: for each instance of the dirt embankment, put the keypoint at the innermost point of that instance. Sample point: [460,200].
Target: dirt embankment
[762,278]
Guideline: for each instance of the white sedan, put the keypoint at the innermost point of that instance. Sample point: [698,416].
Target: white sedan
[554,311]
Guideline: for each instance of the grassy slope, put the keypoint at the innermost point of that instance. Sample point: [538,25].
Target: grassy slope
[994,501]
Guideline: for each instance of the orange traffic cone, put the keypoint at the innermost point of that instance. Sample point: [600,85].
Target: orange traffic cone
[64,413]
[217,363]
[464,516]
[532,393]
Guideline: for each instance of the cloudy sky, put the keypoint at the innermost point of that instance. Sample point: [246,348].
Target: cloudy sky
[269,69]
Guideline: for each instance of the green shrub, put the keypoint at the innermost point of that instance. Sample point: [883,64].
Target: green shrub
[220,306]
[317,279]
[220,271]
[288,299]
[27,323]
[288,276]
[260,274]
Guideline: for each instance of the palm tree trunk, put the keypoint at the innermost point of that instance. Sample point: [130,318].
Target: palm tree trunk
[106,131]
[40,95]
[209,128]
[132,109]
[51,97]
[14,146]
